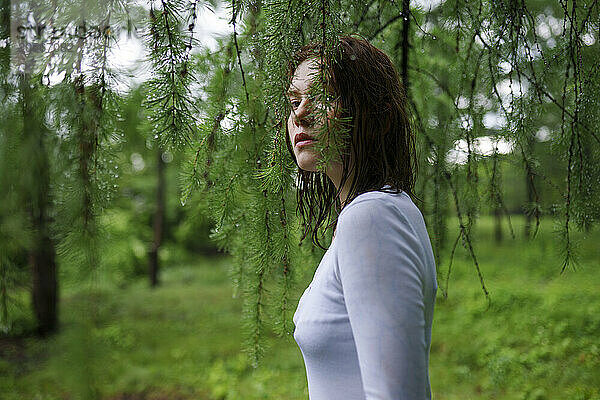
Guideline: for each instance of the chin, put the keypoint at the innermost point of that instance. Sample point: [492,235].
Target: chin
[307,162]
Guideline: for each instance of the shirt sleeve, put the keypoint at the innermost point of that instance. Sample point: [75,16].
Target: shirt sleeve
[380,266]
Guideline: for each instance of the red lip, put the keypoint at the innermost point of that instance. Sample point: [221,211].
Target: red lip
[301,137]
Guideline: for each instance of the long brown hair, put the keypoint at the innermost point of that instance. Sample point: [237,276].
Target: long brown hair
[380,139]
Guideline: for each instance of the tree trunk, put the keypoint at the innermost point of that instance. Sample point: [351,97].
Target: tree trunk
[159,219]
[530,191]
[496,198]
[4,35]
[440,201]
[45,285]
[498,236]
[42,256]
[405,43]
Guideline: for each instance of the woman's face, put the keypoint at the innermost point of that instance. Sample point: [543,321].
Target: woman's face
[303,126]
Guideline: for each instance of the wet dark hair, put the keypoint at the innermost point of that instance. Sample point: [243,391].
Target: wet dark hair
[379,137]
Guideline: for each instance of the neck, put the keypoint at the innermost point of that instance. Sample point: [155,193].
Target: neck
[335,175]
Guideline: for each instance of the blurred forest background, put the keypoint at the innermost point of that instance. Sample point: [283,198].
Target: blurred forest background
[149,247]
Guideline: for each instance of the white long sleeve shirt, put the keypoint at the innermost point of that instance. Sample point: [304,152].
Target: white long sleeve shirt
[364,323]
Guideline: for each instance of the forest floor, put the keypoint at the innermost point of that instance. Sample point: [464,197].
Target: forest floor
[536,339]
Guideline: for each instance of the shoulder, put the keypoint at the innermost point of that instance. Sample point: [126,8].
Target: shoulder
[380,218]
[379,206]
[382,232]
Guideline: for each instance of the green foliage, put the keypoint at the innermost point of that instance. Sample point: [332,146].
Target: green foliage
[477,71]
[183,340]
[14,235]
[520,74]
[169,97]
[514,344]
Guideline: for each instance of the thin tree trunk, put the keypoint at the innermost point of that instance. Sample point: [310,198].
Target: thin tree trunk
[405,44]
[440,202]
[45,285]
[530,191]
[588,157]
[498,234]
[4,71]
[42,256]
[4,35]
[496,198]
[159,219]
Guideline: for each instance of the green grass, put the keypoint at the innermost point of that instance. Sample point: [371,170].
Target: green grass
[538,336]
[536,339]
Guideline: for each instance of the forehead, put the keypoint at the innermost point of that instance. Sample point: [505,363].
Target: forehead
[303,77]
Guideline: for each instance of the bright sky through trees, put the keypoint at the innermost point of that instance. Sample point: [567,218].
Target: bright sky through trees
[129,55]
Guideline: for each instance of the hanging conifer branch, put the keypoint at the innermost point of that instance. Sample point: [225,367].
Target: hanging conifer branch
[574,143]
[102,100]
[439,226]
[193,7]
[495,190]
[238,52]
[170,101]
[493,49]
[284,322]
[531,173]
[472,174]
[242,156]
[464,231]
[568,248]
[466,236]
[447,280]
[104,61]
[254,301]
[87,140]
[210,128]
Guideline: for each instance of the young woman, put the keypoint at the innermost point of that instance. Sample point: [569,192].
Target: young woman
[364,323]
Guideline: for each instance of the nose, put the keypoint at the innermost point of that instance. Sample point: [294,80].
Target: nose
[303,114]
